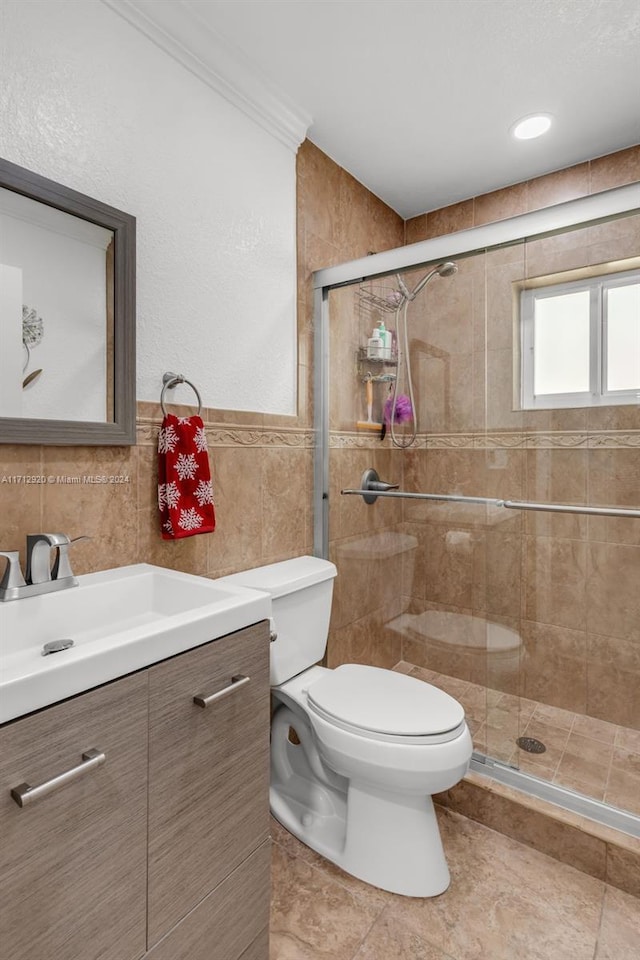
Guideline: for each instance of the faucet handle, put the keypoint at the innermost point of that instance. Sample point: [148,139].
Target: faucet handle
[39,555]
[12,576]
[61,566]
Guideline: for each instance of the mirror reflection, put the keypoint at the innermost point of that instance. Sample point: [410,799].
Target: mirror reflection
[56,313]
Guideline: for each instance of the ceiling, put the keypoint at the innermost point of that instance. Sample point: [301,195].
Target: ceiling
[415,97]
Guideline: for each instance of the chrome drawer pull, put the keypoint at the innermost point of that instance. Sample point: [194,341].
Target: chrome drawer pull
[236,682]
[24,794]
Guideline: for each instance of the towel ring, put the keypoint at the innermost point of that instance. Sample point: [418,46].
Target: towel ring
[171,380]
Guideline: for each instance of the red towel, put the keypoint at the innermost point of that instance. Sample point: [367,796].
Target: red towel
[185,494]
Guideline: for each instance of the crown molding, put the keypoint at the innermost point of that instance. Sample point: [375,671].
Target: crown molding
[177,28]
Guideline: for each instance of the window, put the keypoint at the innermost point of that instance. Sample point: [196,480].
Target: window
[580,342]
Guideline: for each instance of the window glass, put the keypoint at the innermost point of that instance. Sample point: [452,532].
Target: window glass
[623,337]
[561,344]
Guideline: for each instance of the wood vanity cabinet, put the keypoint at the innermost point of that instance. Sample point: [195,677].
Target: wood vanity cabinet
[161,851]
[73,863]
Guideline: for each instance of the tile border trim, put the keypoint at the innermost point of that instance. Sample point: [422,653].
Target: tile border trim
[528,440]
[220,435]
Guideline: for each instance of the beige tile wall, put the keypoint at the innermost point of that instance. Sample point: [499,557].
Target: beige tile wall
[261,464]
[569,584]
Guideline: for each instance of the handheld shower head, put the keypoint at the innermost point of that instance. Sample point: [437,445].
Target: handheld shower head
[446,269]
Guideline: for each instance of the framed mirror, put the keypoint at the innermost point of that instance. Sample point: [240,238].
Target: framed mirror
[67,315]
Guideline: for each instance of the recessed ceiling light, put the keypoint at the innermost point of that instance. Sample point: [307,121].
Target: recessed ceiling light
[532,126]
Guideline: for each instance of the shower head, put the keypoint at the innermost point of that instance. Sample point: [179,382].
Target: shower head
[447,269]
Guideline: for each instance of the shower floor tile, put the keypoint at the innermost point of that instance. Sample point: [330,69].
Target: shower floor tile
[593,757]
[505,901]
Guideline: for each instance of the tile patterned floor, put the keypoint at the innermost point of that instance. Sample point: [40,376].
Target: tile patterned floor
[598,759]
[506,902]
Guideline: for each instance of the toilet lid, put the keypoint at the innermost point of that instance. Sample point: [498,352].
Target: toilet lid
[369,698]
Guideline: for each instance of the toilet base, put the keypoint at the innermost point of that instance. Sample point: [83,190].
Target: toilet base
[389,840]
[380,839]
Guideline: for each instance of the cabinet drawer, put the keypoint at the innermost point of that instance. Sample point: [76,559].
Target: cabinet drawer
[73,862]
[208,771]
[229,924]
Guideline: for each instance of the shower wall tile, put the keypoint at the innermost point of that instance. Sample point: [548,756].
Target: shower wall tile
[371,640]
[502,410]
[556,476]
[614,651]
[444,401]
[612,694]
[499,310]
[386,228]
[555,582]
[415,229]
[615,169]
[614,480]
[369,574]
[613,599]
[497,574]
[319,182]
[614,418]
[500,204]
[558,187]
[457,216]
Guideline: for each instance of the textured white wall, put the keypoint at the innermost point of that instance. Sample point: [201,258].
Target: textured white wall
[88,101]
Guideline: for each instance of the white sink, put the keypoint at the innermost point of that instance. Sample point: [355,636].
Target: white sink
[119,620]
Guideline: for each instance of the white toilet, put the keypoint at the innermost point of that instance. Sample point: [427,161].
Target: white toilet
[373,745]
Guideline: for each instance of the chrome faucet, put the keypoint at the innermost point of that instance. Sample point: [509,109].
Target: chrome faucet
[41,576]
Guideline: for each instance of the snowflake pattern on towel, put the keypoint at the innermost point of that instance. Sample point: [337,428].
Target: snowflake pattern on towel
[168,495]
[167,439]
[203,492]
[190,519]
[200,439]
[186,466]
[185,492]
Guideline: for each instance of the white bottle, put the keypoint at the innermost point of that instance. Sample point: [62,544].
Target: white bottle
[385,336]
[375,346]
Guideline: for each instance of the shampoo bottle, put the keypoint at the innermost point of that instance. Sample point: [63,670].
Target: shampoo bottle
[375,346]
[386,337]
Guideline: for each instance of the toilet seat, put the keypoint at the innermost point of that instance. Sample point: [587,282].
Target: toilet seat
[378,704]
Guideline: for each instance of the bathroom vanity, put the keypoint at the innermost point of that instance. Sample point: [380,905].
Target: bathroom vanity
[161,850]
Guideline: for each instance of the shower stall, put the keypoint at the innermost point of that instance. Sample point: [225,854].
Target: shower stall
[477,483]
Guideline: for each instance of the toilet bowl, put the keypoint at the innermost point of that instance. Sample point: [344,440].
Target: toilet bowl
[357,751]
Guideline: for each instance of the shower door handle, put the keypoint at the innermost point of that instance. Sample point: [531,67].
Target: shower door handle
[371,481]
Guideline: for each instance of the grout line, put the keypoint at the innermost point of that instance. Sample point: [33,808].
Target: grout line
[604,893]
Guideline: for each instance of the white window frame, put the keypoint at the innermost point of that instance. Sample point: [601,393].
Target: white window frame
[598,393]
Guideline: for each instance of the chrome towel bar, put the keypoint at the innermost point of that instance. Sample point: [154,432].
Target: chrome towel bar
[371,491]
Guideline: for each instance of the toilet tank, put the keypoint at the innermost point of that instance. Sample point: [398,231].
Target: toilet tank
[301,591]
